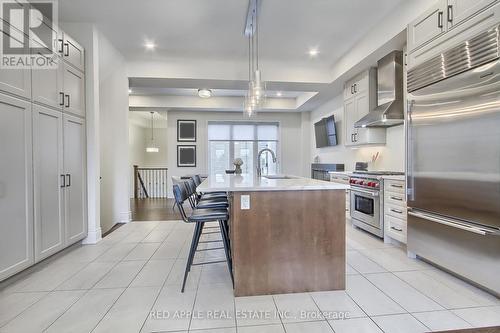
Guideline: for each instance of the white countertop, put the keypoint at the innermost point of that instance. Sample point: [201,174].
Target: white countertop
[246,182]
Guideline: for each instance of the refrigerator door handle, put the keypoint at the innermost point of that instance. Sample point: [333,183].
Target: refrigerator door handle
[410,184]
[453,224]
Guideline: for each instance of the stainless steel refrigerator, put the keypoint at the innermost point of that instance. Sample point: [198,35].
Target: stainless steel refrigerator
[453,160]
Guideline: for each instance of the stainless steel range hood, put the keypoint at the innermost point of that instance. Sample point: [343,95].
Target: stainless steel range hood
[390,109]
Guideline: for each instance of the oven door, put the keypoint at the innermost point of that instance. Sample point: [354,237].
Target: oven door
[365,206]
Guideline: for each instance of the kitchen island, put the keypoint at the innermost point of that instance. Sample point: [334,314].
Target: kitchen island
[287,233]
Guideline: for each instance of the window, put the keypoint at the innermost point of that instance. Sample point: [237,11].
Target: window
[228,141]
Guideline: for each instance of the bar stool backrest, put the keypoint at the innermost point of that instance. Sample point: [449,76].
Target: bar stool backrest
[197,180]
[181,195]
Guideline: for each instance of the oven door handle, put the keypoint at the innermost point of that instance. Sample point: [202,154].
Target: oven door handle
[453,224]
[373,194]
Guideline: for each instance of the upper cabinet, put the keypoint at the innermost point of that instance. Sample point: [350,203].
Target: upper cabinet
[15,81]
[441,18]
[360,97]
[74,91]
[72,52]
[459,11]
[427,26]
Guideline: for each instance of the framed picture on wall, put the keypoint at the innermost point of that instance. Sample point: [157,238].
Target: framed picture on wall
[186,156]
[186,130]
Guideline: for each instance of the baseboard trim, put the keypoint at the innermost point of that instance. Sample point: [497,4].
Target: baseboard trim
[93,237]
[125,217]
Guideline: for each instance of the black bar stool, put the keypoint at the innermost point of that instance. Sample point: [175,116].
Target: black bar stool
[202,202]
[200,217]
[197,181]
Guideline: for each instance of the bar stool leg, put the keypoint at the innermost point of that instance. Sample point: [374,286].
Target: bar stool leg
[194,245]
[226,249]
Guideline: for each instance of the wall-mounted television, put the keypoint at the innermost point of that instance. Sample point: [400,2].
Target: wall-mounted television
[326,132]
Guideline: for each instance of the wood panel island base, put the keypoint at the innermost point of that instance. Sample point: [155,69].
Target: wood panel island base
[287,235]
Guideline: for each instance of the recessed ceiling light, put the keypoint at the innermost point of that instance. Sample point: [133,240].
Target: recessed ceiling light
[205,93]
[279,94]
[130,91]
[150,45]
[313,52]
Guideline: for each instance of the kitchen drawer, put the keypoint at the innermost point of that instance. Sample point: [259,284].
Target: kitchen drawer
[395,199]
[395,211]
[394,186]
[395,228]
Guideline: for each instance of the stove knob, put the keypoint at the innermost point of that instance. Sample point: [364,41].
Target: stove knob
[370,184]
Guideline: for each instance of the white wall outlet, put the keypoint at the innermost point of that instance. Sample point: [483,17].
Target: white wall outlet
[245,202]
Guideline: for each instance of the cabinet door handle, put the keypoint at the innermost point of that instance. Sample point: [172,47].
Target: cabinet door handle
[355,88]
[68,176]
[63,181]
[68,101]
[396,198]
[352,90]
[62,99]
[450,13]
[396,229]
[440,20]
[396,211]
[66,45]
[355,137]
[352,137]
[396,186]
[61,45]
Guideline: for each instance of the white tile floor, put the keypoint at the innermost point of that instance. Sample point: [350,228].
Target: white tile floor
[130,282]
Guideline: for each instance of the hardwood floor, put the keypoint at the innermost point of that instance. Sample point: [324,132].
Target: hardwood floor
[153,210]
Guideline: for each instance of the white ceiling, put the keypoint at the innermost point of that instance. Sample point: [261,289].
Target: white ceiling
[205,31]
[214,28]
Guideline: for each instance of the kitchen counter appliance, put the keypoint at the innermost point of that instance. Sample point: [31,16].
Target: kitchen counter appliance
[453,160]
[320,171]
[367,200]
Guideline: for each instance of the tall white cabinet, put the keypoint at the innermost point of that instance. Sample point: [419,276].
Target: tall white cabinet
[48,180]
[16,186]
[43,159]
[75,179]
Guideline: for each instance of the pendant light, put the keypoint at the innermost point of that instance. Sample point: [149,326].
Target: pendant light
[152,148]
[256,94]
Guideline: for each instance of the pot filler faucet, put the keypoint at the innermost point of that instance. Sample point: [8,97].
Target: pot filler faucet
[259,169]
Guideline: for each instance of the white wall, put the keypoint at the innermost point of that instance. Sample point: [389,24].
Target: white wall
[391,155]
[114,131]
[290,159]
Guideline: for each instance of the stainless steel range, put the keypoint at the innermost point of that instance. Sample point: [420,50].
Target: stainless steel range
[367,200]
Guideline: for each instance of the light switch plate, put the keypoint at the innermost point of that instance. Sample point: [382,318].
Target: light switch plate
[245,202]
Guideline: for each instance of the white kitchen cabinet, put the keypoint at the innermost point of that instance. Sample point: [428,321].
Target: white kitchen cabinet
[460,10]
[48,86]
[438,24]
[74,91]
[427,26]
[75,179]
[362,101]
[73,53]
[395,210]
[15,81]
[350,119]
[48,181]
[16,194]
